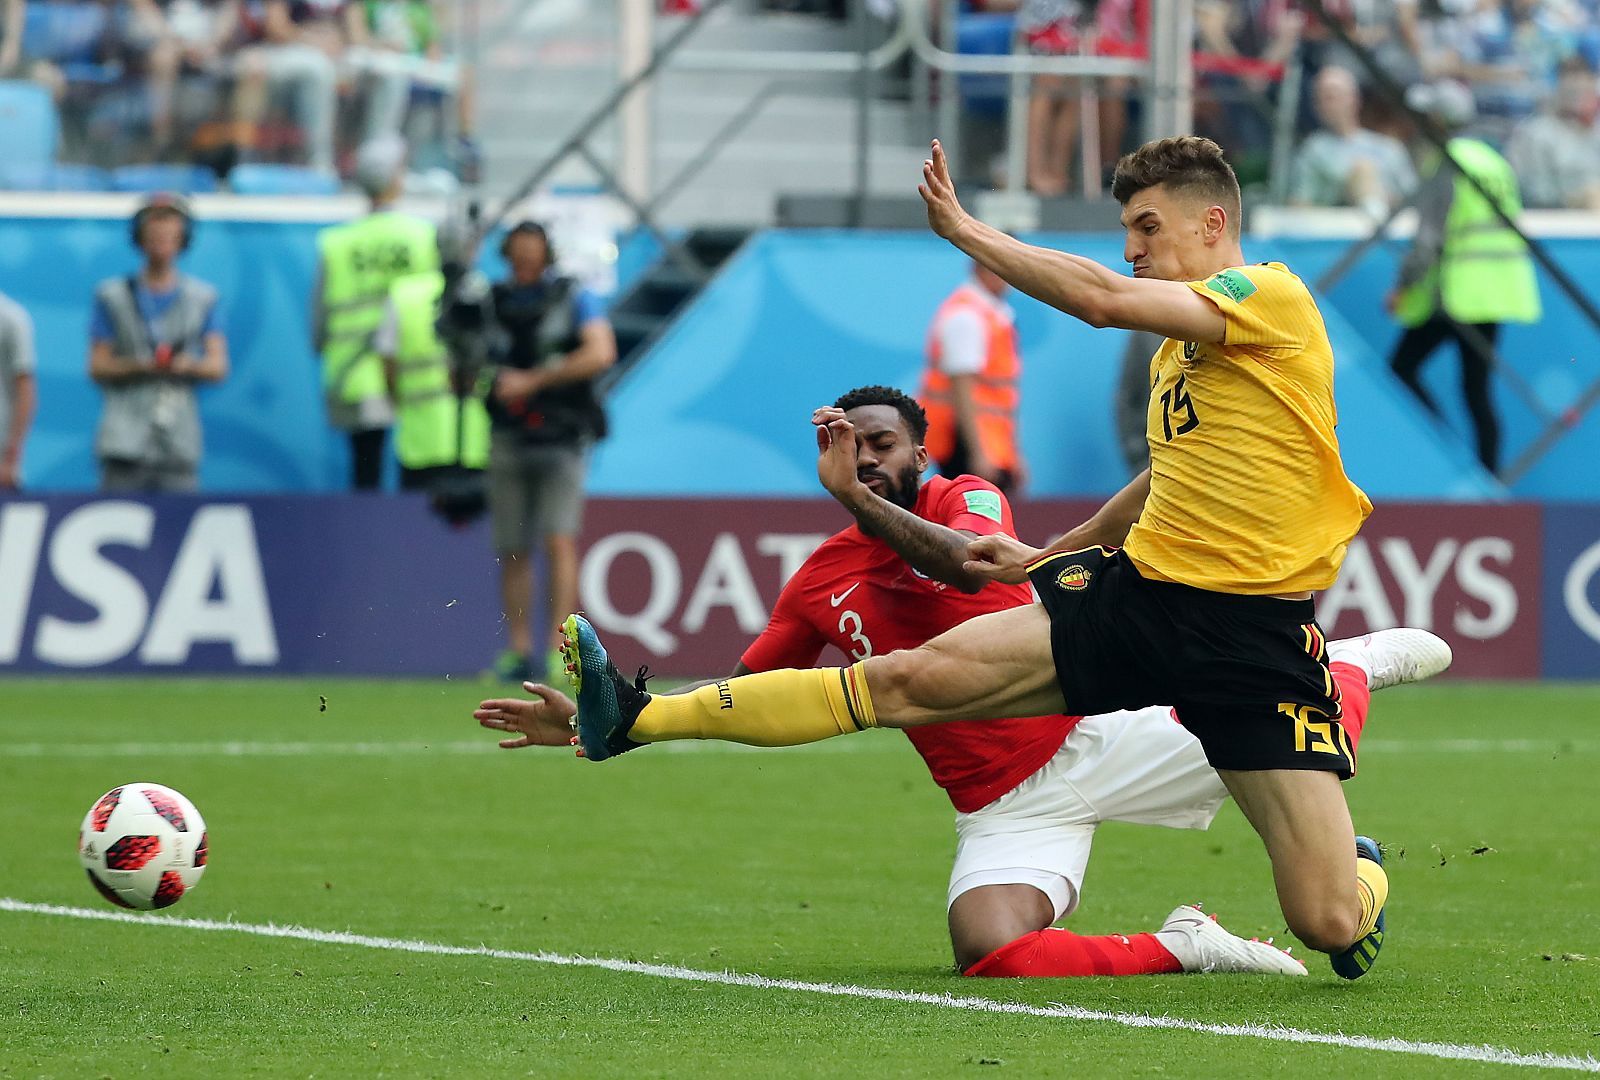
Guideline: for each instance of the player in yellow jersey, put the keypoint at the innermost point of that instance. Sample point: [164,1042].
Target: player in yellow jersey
[1191,585]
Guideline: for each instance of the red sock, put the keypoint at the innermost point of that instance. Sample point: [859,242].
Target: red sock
[1354,696]
[1053,952]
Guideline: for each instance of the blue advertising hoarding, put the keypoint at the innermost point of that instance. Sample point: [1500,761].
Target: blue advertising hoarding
[280,584]
[1572,591]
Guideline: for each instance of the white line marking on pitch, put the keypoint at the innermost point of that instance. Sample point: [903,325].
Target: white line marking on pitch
[1448,1051]
[831,746]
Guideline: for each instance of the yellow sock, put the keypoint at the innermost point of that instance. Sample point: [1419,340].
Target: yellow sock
[770,708]
[1372,887]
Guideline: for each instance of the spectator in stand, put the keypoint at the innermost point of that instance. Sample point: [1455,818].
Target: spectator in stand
[12,16]
[155,335]
[1344,164]
[1556,154]
[292,45]
[1064,28]
[1508,51]
[395,45]
[1395,32]
[1241,50]
[67,39]
[176,43]
[17,389]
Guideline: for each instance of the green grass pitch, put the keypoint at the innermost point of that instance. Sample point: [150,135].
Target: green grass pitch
[390,814]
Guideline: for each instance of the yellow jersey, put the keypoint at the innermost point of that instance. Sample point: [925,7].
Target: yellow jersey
[1247,490]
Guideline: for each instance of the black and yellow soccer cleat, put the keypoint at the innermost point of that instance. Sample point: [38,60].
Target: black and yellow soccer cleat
[1358,959]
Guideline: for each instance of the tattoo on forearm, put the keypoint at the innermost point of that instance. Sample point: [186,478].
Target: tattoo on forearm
[934,549]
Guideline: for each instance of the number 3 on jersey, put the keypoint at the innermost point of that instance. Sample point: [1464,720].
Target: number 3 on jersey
[1174,402]
[850,625]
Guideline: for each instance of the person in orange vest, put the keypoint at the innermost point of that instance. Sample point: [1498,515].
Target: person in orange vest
[970,392]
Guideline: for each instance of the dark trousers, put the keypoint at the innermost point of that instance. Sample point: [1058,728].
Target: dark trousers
[1419,342]
[366,458]
[959,461]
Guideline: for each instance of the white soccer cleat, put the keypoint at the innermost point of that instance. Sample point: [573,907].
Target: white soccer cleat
[1201,945]
[1391,657]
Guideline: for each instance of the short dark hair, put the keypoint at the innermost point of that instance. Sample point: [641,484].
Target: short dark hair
[527,227]
[903,403]
[1185,164]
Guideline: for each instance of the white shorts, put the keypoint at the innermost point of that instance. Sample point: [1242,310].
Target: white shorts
[1141,767]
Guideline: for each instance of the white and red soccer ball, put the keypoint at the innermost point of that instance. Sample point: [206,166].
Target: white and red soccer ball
[143,846]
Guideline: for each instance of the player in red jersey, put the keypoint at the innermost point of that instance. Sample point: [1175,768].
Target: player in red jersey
[1029,792]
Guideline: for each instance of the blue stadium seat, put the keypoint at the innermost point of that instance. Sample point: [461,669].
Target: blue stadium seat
[54,177]
[184,179]
[982,33]
[29,127]
[72,36]
[281,180]
[64,33]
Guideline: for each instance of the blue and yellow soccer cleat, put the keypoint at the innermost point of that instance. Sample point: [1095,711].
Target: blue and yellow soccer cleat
[607,703]
[1358,959]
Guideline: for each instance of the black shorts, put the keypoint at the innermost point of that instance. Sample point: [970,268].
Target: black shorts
[1248,675]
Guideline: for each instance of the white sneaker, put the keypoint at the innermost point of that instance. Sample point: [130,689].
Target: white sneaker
[1391,657]
[1200,944]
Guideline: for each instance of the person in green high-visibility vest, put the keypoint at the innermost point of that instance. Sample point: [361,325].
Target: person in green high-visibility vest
[358,262]
[441,427]
[1467,271]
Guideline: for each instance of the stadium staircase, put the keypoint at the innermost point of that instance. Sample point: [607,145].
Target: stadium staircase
[644,310]
[546,63]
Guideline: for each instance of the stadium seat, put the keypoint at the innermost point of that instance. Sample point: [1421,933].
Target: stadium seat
[281,180]
[185,179]
[982,33]
[29,127]
[60,176]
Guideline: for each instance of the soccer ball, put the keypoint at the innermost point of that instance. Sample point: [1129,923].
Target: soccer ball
[143,846]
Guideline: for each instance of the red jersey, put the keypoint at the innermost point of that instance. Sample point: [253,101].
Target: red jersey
[858,595]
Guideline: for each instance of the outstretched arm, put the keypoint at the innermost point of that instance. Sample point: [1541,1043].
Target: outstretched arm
[1078,286]
[936,550]
[1002,558]
[1110,524]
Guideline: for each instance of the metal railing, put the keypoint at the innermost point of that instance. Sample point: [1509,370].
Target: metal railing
[1164,78]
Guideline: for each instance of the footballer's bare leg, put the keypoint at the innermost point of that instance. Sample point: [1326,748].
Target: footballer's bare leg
[990,916]
[994,666]
[1305,824]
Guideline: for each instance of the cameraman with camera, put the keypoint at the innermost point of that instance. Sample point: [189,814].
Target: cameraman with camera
[545,417]
[154,336]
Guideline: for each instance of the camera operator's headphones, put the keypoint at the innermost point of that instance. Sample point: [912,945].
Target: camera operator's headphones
[528,228]
[162,203]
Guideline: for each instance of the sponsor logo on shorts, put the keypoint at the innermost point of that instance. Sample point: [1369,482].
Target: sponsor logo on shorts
[1074,578]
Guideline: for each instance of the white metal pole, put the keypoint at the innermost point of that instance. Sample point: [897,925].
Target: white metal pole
[1171,84]
[635,40]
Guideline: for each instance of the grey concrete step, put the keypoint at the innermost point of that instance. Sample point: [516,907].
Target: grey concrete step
[549,62]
